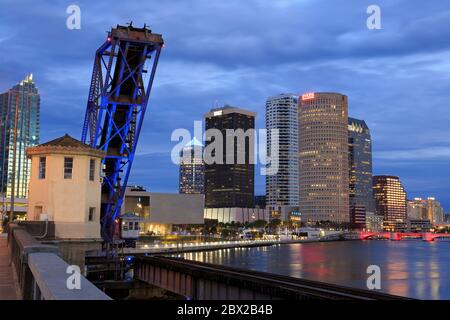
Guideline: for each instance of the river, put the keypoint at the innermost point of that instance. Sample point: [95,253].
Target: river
[416,269]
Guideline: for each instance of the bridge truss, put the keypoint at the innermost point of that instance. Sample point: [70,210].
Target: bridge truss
[122,78]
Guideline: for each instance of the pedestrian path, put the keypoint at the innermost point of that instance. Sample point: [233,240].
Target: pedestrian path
[8,286]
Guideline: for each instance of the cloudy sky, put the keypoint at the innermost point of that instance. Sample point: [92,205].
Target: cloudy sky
[240,52]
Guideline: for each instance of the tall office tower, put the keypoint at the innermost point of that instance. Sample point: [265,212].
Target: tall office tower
[360,169]
[19,116]
[192,168]
[390,201]
[323,154]
[229,181]
[282,114]
[425,209]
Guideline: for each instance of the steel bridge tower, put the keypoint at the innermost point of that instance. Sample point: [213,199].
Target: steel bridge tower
[122,78]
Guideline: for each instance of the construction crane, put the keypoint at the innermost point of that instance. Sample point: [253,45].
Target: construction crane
[122,78]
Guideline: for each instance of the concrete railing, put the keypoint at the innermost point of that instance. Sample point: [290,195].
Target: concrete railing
[42,274]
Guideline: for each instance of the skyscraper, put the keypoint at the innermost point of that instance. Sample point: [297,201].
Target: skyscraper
[229,182]
[323,154]
[390,201]
[19,116]
[282,188]
[360,169]
[192,168]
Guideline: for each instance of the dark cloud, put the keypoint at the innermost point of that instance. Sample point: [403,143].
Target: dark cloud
[241,52]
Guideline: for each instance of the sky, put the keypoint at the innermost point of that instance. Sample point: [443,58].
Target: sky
[241,52]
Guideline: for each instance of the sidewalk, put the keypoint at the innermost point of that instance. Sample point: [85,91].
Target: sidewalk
[8,287]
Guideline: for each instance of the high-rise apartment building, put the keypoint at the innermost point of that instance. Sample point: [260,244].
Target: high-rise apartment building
[192,168]
[282,187]
[390,201]
[360,169]
[229,177]
[19,129]
[425,209]
[323,157]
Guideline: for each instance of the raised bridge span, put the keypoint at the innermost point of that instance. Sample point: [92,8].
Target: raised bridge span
[203,281]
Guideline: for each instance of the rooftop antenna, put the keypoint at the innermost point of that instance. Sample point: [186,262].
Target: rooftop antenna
[130,24]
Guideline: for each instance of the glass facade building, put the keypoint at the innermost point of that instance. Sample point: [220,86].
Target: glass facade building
[19,114]
[192,168]
[282,188]
[229,180]
[360,168]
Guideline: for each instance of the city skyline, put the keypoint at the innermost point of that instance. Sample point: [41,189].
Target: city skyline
[203,151]
[405,143]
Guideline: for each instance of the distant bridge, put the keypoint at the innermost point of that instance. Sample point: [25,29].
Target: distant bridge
[397,236]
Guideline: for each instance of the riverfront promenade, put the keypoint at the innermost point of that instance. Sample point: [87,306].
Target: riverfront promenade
[205,246]
[8,286]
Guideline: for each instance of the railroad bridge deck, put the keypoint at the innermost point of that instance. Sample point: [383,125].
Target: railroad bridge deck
[203,281]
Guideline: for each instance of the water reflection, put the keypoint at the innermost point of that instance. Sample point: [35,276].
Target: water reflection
[408,268]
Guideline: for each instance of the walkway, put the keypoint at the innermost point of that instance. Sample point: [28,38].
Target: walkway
[205,246]
[8,286]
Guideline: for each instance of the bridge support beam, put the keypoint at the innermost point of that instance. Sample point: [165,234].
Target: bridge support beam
[203,281]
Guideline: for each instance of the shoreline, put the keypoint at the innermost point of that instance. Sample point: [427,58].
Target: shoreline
[198,247]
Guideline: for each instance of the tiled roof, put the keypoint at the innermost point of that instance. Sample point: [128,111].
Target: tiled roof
[65,145]
[65,141]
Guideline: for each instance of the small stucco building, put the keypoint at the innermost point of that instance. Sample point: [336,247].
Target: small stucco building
[65,187]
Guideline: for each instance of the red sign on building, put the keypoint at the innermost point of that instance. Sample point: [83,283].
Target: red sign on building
[308,96]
